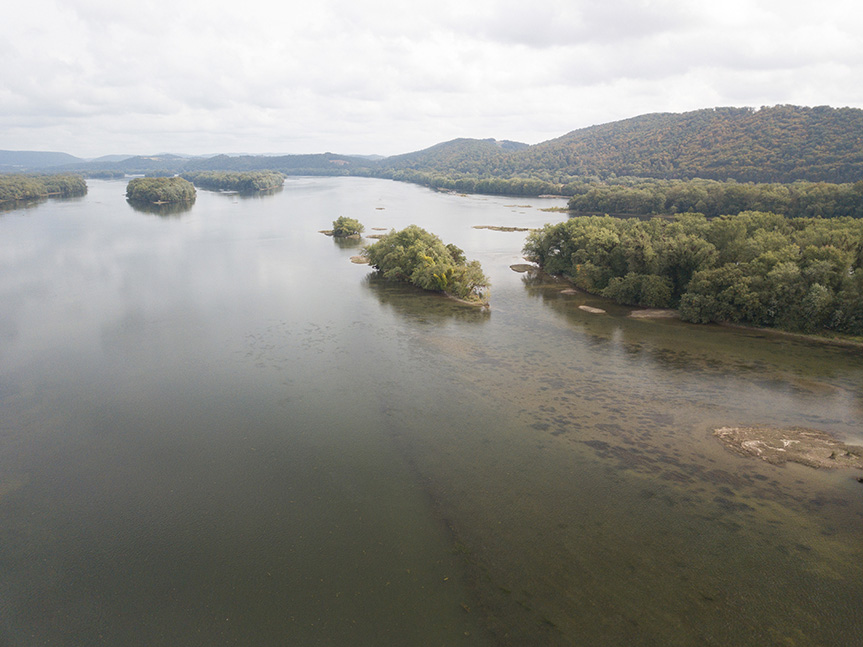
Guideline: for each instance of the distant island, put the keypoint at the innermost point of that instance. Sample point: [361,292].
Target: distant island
[160,190]
[19,187]
[242,182]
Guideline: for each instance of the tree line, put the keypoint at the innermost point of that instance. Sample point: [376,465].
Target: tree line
[712,198]
[756,268]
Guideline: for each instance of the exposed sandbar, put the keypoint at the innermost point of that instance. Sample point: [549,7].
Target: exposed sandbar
[795,444]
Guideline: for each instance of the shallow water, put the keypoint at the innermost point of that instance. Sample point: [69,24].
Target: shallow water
[215,429]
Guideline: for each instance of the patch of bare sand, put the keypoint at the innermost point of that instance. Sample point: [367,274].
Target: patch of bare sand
[592,310]
[795,444]
[655,313]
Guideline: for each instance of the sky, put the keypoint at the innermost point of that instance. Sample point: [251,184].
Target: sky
[98,77]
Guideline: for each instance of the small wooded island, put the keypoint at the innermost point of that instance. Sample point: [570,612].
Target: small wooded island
[344,227]
[31,187]
[242,182]
[160,190]
[421,258]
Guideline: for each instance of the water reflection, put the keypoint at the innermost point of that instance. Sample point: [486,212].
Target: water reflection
[168,210]
[248,195]
[348,242]
[14,205]
[420,305]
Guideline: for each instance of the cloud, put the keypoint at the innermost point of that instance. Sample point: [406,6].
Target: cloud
[97,76]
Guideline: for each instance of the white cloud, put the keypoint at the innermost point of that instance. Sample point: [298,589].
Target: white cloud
[94,76]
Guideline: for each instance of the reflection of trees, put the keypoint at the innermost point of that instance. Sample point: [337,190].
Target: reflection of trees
[167,210]
[767,357]
[249,195]
[347,242]
[420,305]
[12,205]
[29,203]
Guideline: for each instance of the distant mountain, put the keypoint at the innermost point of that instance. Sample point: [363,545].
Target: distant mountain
[110,158]
[460,156]
[12,160]
[771,144]
[778,144]
[315,164]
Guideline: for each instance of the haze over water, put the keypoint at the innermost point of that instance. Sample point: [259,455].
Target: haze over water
[216,430]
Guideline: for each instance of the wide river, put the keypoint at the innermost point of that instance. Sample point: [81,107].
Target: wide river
[217,430]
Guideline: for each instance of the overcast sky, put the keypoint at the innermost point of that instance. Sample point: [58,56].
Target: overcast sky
[94,77]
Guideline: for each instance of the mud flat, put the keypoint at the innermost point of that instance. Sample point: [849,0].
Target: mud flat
[795,444]
[497,228]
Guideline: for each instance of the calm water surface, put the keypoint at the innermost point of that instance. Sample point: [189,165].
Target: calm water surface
[216,430]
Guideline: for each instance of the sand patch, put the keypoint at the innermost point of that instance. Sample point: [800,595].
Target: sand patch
[796,444]
[655,313]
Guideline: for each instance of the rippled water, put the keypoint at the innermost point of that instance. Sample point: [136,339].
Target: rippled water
[216,430]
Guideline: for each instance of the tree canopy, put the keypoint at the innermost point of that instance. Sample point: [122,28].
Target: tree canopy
[756,268]
[421,258]
[241,181]
[160,190]
[27,187]
[344,227]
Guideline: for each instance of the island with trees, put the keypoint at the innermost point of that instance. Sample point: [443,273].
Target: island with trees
[239,181]
[160,190]
[755,268]
[17,187]
[418,257]
[344,227]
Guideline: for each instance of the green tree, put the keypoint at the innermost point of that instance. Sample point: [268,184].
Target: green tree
[344,227]
[421,258]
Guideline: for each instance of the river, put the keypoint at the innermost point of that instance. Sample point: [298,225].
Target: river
[217,430]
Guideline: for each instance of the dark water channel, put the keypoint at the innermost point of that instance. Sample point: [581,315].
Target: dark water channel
[216,430]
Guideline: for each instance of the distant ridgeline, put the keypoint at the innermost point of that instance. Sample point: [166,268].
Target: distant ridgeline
[779,144]
[29,187]
[637,166]
[243,182]
[160,190]
[760,269]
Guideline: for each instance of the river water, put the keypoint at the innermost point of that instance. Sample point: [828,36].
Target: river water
[217,430]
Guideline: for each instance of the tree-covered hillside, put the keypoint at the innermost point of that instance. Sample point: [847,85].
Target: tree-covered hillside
[780,144]
[775,144]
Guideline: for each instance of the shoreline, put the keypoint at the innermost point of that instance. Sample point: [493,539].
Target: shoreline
[672,313]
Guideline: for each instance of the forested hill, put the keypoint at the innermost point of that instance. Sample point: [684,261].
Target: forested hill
[775,144]
[464,156]
[779,144]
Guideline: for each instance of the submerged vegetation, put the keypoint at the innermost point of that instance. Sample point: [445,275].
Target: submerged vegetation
[160,190]
[761,269]
[421,258]
[29,187]
[243,182]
